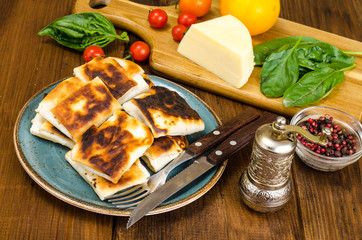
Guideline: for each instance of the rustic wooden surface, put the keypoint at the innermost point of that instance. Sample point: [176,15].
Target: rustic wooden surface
[166,61]
[323,205]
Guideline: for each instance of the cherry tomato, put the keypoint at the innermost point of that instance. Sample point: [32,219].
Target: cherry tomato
[140,51]
[186,19]
[157,18]
[178,32]
[197,7]
[92,52]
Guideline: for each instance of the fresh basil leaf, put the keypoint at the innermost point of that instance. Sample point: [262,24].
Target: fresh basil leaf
[312,87]
[320,55]
[303,70]
[78,31]
[263,50]
[280,71]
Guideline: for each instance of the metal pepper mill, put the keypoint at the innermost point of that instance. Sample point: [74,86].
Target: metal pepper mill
[266,184]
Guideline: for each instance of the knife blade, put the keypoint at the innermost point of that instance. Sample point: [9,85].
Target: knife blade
[201,165]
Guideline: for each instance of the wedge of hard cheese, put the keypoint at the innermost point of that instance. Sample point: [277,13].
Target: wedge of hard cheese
[222,46]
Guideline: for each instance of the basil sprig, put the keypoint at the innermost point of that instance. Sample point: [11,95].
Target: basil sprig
[319,65]
[78,31]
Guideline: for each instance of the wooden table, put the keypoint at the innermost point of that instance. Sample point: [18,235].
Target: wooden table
[323,205]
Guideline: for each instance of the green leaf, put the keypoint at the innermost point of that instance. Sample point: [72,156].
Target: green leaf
[263,50]
[78,31]
[319,55]
[312,87]
[280,71]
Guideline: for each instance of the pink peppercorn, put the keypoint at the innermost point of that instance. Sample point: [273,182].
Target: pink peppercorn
[340,143]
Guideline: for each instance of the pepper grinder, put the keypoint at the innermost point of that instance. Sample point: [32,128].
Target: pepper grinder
[265,184]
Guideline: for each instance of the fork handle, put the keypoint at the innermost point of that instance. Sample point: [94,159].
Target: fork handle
[220,133]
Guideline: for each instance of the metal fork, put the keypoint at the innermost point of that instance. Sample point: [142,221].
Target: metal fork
[133,196]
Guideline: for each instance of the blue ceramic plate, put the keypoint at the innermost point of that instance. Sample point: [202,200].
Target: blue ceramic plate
[45,163]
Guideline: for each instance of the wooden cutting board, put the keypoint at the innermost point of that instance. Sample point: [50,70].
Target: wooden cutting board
[164,59]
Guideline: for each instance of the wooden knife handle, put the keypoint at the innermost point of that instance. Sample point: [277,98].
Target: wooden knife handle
[220,133]
[239,139]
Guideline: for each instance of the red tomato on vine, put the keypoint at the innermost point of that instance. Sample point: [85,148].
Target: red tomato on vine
[140,51]
[157,18]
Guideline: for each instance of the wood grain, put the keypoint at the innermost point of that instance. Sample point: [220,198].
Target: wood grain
[323,205]
[166,61]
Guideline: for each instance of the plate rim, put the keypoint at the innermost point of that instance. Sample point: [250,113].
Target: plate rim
[102,209]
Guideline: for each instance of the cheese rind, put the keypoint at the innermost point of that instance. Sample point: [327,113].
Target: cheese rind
[222,46]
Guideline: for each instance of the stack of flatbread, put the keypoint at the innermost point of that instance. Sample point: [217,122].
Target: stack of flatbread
[110,115]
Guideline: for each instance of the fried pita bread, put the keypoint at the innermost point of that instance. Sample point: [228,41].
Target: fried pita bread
[90,105]
[123,82]
[163,150]
[60,92]
[148,81]
[44,129]
[165,112]
[130,67]
[110,150]
[137,174]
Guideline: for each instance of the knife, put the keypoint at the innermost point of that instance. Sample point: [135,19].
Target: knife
[201,165]
[206,143]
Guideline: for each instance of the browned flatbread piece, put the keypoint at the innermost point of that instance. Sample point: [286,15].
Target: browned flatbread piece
[110,150]
[165,112]
[129,66]
[122,84]
[90,105]
[137,174]
[63,89]
[60,92]
[163,150]
[114,76]
[148,81]
[44,129]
